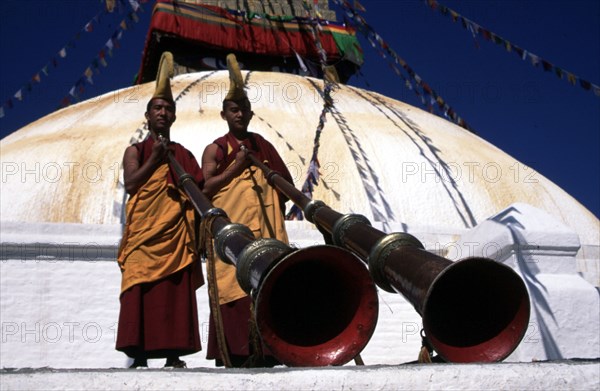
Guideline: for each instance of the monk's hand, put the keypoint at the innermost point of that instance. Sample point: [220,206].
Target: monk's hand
[159,150]
[243,152]
[241,158]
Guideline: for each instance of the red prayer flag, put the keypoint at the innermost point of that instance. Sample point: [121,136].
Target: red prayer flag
[359,6]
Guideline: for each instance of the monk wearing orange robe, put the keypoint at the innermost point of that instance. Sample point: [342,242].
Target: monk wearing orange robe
[158,253]
[243,193]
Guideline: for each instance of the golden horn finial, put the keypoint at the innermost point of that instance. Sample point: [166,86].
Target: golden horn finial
[163,76]
[236,86]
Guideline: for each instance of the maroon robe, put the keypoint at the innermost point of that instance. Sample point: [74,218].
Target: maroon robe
[160,318]
[236,314]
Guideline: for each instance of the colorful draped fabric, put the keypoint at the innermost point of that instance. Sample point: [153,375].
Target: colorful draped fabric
[230,31]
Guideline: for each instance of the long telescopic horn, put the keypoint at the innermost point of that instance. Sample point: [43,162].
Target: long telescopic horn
[314,307]
[473,310]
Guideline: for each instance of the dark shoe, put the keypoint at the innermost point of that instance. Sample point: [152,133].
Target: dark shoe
[175,363]
[139,362]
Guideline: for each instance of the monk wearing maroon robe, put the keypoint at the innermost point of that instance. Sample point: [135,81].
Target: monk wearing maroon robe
[242,191]
[158,254]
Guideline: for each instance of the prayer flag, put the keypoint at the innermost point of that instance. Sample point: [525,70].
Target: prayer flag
[65,101]
[102,57]
[585,84]
[471,28]
[535,60]
[88,74]
[520,52]
[546,65]
[134,5]
[486,34]
[454,16]
[300,62]
[110,5]
[359,6]
[559,72]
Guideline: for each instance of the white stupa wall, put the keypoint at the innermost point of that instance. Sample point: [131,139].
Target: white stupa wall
[60,285]
[564,305]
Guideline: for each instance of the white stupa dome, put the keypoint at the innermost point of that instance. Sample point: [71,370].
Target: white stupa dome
[379,157]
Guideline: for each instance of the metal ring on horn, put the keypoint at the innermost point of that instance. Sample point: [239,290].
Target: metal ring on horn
[213,212]
[382,249]
[338,232]
[224,234]
[311,208]
[264,250]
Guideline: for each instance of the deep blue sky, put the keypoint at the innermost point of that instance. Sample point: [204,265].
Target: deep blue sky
[542,121]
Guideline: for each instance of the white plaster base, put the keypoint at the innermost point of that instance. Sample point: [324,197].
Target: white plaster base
[533,376]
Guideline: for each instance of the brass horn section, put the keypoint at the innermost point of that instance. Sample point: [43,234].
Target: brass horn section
[316,306]
[473,310]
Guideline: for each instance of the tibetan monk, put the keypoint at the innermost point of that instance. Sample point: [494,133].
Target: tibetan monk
[242,191]
[158,254]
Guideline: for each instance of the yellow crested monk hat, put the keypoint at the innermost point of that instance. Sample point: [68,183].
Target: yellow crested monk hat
[163,76]
[236,86]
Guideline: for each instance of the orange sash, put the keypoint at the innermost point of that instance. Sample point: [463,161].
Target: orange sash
[248,200]
[159,235]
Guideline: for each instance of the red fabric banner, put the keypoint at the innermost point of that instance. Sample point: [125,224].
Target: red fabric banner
[264,35]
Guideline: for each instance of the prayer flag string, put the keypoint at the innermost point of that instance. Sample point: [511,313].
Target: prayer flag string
[54,62]
[113,42]
[427,95]
[535,60]
[313,174]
